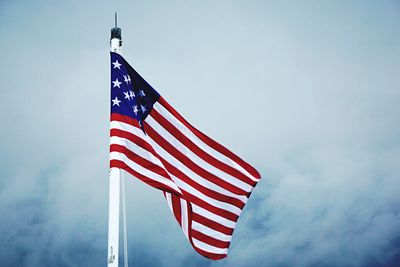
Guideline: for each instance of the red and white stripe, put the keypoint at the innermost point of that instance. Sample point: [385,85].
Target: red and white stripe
[206,186]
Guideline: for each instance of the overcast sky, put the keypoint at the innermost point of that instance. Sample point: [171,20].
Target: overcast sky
[308,92]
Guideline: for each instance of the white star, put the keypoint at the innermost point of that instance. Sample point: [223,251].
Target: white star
[116,83]
[116,64]
[127,95]
[142,93]
[143,108]
[127,79]
[115,101]
[132,94]
[135,109]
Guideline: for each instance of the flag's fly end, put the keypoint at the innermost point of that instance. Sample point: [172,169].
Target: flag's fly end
[116,37]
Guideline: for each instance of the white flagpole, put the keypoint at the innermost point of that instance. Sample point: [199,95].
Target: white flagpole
[113,217]
[115,179]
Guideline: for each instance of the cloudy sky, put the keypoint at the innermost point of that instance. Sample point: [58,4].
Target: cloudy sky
[306,91]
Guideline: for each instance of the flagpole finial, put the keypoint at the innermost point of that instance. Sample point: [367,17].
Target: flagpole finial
[116,37]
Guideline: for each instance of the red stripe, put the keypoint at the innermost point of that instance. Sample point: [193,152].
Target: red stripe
[208,192]
[125,119]
[176,206]
[209,141]
[212,224]
[139,160]
[198,151]
[122,165]
[209,240]
[218,211]
[189,163]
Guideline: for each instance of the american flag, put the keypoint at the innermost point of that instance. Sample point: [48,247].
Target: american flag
[206,186]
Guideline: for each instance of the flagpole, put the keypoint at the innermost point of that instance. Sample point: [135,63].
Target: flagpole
[115,179]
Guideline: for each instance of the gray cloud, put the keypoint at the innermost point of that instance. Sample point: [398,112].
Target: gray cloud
[308,93]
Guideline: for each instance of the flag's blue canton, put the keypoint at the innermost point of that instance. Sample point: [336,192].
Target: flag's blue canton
[131,95]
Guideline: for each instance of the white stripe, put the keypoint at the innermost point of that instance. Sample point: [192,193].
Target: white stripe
[219,204]
[196,159]
[187,132]
[209,248]
[184,218]
[211,232]
[169,201]
[138,168]
[212,216]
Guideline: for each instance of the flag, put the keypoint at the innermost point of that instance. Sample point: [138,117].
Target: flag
[205,185]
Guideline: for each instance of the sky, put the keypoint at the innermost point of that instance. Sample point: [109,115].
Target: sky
[308,92]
